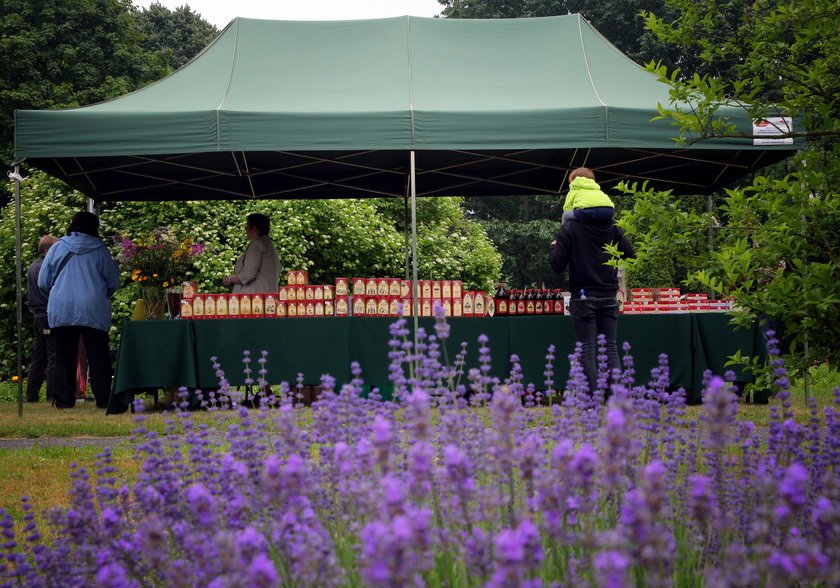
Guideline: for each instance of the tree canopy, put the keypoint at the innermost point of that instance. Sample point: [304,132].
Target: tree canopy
[181,34]
[773,241]
[65,53]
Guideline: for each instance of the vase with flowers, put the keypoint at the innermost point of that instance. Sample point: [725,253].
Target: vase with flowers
[157,261]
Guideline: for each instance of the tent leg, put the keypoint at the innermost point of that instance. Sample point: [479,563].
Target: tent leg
[406,233]
[415,294]
[18,290]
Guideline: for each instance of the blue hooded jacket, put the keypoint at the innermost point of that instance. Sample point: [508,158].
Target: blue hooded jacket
[79,293]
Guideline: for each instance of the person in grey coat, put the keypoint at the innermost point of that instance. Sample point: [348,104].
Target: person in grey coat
[43,344]
[257,270]
[79,276]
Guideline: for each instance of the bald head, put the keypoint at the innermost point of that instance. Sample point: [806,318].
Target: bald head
[45,243]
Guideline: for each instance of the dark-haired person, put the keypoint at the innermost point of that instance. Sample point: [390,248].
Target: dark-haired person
[258,268]
[43,347]
[79,275]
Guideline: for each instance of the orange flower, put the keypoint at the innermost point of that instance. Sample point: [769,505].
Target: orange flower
[14,378]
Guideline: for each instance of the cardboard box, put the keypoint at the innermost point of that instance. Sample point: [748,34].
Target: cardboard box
[426,307]
[209,306]
[301,308]
[283,309]
[359,285]
[383,286]
[446,289]
[407,306]
[309,293]
[457,307]
[233,305]
[188,290]
[342,306]
[329,293]
[359,305]
[309,308]
[394,287]
[319,308]
[300,293]
[393,306]
[198,306]
[222,305]
[383,305]
[457,289]
[329,307]
[318,292]
[302,278]
[490,306]
[425,288]
[405,289]
[186,308]
[257,305]
[447,306]
[270,305]
[436,289]
[371,306]
[479,308]
[342,287]
[467,304]
[370,287]
[246,302]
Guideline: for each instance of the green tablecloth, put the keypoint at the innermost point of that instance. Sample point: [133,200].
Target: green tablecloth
[177,352]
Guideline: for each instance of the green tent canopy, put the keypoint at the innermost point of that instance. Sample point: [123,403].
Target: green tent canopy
[333,109]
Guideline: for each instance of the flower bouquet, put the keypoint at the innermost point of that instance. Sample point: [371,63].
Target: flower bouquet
[157,261]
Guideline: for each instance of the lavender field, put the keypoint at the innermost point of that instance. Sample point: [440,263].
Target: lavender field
[460,482]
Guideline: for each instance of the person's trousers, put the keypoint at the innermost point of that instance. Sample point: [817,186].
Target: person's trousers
[43,361]
[64,373]
[594,214]
[592,317]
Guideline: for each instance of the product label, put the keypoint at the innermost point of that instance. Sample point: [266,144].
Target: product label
[210,306]
[233,305]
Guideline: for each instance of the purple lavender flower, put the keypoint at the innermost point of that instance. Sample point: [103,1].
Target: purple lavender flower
[611,569]
[517,554]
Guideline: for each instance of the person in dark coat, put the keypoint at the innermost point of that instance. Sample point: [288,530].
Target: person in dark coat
[43,348]
[593,284]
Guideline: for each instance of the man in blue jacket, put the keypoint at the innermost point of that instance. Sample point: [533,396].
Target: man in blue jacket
[79,275]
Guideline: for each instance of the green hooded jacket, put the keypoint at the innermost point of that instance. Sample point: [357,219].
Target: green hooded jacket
[585,193]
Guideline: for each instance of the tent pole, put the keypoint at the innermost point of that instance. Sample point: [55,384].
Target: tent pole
[415,289]
[407,245]
[18,290]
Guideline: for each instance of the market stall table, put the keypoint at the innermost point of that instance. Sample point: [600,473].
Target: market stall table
[157,354]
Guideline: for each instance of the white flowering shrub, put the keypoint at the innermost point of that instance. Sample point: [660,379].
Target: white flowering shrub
[329,238]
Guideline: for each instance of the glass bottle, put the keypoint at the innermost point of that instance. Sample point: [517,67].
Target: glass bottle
[501,296]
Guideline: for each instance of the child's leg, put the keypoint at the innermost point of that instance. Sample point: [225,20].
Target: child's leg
[596,213]
[569,214]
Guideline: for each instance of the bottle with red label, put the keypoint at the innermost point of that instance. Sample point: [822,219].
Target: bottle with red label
[520,303]
[539,306]
[502,297]
[548,302]
[511,308]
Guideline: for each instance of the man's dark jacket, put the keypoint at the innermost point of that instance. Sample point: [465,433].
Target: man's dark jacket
[580,245]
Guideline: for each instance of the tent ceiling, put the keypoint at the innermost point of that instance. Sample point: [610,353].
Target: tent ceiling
[332,109]
[294,175]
